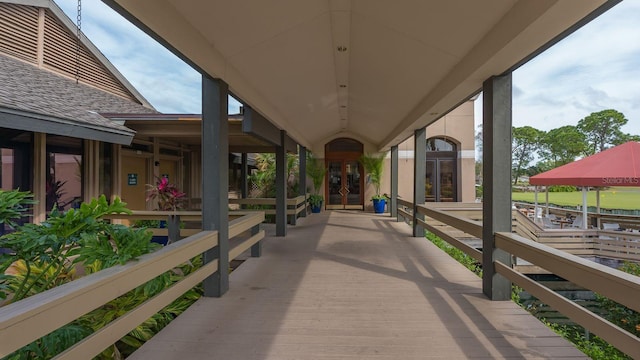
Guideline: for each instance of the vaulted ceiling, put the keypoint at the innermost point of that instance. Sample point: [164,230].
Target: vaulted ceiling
[372,69]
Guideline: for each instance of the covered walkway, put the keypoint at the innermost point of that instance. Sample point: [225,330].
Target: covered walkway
[351,285]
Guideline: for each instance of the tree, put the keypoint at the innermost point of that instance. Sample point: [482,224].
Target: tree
[602,130]
[525,142]
[562,145]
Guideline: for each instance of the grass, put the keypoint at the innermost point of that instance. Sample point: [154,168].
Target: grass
[624,198]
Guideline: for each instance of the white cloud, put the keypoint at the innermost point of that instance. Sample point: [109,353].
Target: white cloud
[595,68]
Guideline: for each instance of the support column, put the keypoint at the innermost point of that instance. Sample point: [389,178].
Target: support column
[419,176]
[215,180]
[40,177]
[302,184]
[393,202]
[281,187]
[244,178]
[496,205]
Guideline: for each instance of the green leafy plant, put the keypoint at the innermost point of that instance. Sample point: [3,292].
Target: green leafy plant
[14,204]
[169,197]
[316,171]
[315,200]
[265,178]
[47,255]
[374,166]
[46,246]
[464,259]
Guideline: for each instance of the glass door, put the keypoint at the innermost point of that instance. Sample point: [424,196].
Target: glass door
[440,184]
[344,179]
[334,185]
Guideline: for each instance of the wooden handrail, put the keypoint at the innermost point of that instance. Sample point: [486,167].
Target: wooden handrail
[27,320]
[614,284]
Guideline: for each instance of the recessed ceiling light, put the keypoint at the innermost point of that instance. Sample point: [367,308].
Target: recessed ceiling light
[342,48]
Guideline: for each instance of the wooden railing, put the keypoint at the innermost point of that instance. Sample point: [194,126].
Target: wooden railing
[295,206]
[27,320]
[614,284]
[626,221]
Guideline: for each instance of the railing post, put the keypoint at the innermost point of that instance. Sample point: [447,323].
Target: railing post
[419,175]
[256,249]
[173,228]
[393,202]
[215,180]
[496,174]
[293,218]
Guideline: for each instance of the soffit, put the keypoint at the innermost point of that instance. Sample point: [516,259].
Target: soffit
[406,63]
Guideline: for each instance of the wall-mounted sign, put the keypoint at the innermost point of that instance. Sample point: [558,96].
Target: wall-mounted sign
[132,179]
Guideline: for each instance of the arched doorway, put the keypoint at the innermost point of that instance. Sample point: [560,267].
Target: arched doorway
[442,175]
[345,180]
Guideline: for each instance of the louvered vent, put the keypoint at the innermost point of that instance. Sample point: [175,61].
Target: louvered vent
[19,31]
[60,55]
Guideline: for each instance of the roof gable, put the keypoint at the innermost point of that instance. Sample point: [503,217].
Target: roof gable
[39,32]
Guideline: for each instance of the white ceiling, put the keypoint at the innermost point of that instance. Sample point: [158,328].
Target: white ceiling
[406,62]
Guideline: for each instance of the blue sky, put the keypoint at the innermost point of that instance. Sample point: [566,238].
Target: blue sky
[596,68]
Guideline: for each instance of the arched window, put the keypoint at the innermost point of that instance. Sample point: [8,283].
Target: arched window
[442,170]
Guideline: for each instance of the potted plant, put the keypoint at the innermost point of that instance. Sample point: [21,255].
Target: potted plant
[317,172]
[374,165]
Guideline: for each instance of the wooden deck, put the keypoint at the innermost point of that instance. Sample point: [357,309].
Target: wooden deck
[351,285]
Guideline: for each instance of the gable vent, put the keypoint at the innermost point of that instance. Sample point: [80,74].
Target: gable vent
[60,55]
[19,31]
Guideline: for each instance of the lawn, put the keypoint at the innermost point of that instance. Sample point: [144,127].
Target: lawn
[625,198]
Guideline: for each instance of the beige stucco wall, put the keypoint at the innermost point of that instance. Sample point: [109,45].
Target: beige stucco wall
[457,126]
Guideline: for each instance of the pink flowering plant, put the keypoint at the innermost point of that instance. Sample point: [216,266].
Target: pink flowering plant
[169,197]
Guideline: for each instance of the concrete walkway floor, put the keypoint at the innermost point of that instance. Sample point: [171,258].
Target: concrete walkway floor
[352,285]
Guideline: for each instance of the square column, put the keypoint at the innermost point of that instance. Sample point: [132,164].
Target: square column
[393,202]
[302,177]
[496,173]
[281,187]
[215,180]
[419,176]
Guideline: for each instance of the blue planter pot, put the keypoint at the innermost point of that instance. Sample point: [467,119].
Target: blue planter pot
[378,205]
[316,209]
[162,240]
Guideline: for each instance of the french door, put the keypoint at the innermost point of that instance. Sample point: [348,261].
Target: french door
[344,185]
[440,184]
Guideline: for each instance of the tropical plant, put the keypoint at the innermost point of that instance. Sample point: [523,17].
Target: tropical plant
[54,192]
[265,178]
[316,200]
[374,166]
[316,171]
[169,197]
[47,255]
[14,204]
[43,250]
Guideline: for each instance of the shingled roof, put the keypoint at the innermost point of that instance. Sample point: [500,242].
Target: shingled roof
[34,99]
